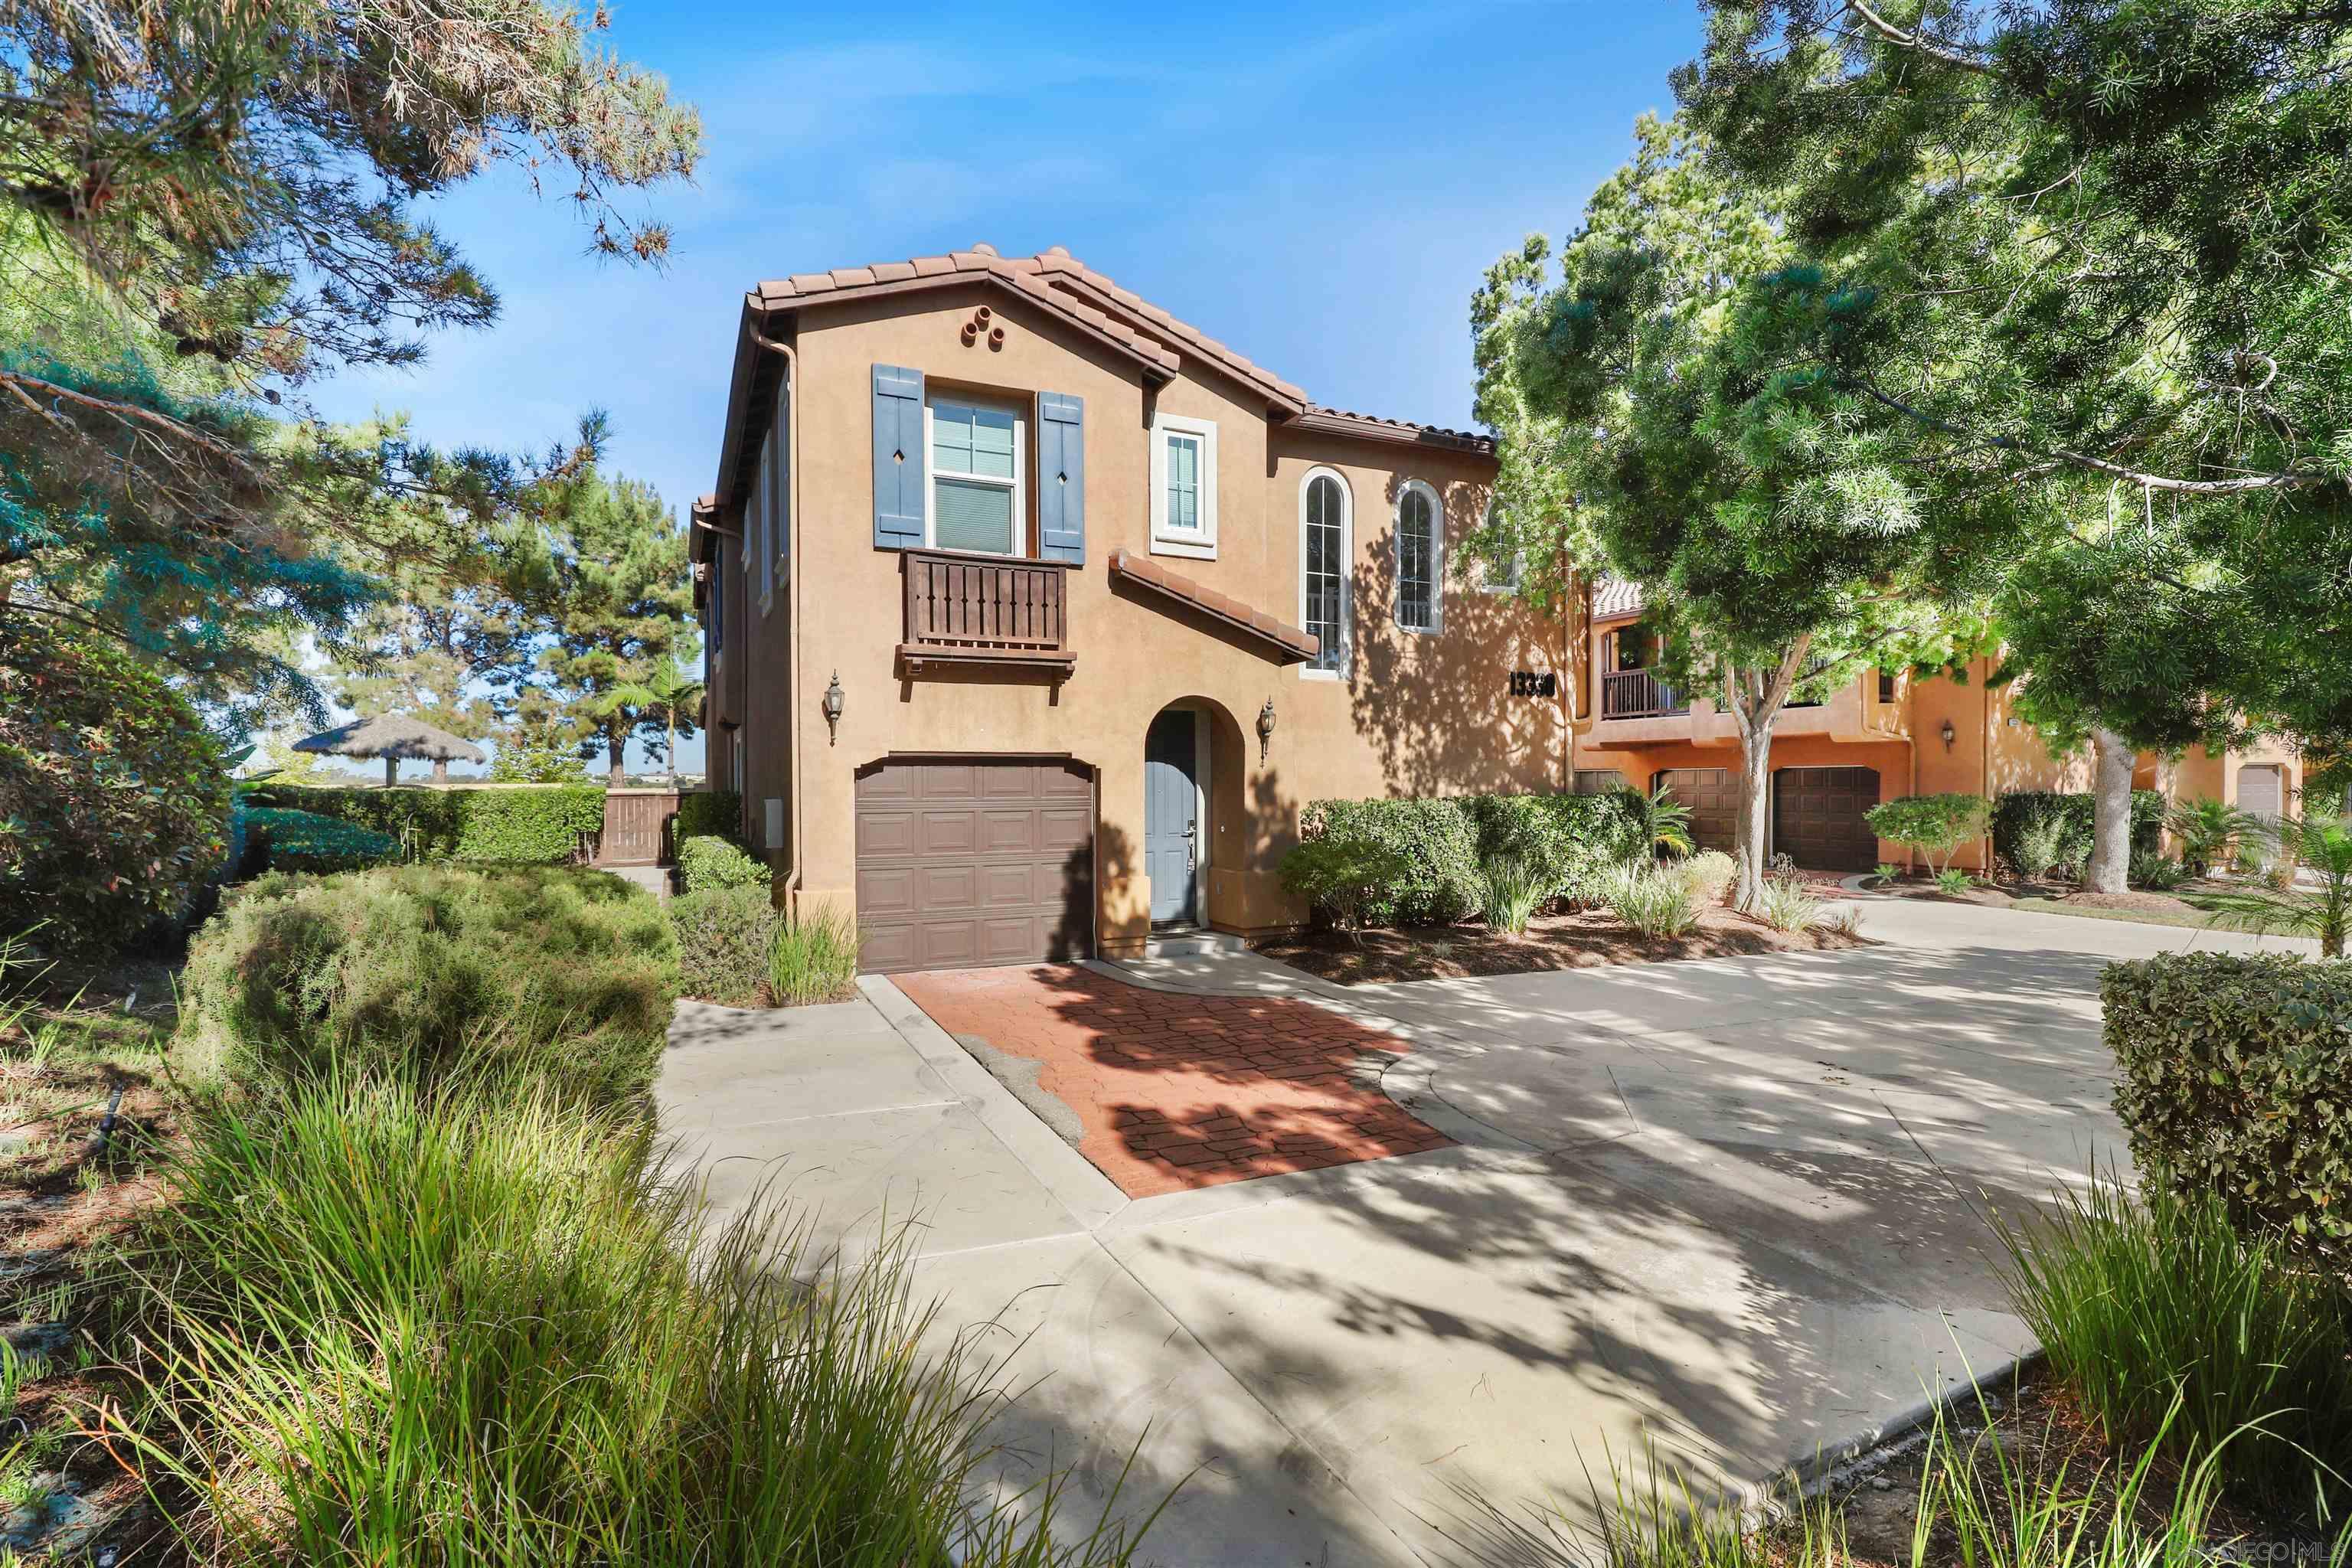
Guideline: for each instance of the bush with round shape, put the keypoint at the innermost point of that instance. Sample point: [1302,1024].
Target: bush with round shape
[711,862]
[708,813]
[1934,824]
[1345,879]
[550,976]
[114,799]
[1435,846]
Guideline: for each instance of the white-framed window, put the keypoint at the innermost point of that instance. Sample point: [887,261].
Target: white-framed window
[1420,558]
[978,499]
[1326,536]
[1183,487]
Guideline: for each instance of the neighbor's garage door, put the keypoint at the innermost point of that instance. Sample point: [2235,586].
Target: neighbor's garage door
[1817,817]
[1714,801]
[974,862]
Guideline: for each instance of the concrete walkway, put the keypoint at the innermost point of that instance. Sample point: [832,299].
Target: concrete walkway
[1726,1208]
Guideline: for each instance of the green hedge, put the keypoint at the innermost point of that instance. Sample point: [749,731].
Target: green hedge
[709,813]
[2237,1081]
[553,976]
[284,840]
[1442,842]
[530,824]
[709,862]
[2013,811]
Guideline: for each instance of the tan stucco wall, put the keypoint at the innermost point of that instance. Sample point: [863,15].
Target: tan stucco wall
[1418,714]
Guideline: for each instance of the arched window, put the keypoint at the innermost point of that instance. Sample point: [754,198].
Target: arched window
[1323,529]
[1420,564]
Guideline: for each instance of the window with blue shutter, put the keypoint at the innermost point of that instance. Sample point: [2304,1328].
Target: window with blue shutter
[1062,478]
[899,477]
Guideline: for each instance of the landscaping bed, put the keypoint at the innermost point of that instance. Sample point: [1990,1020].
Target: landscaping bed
[1590,938]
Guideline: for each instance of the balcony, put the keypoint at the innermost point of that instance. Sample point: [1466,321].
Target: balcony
[1638,694]
[985,611]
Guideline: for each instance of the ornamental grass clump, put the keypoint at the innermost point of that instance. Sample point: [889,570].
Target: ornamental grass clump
[565,976]
[1512,887]
[479,1325]
[1655,903]
[2173,1326]
[1788,905]
[812,957]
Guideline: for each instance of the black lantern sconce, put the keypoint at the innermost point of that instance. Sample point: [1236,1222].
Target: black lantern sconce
[833,710]
[1265,729]
[1950,734]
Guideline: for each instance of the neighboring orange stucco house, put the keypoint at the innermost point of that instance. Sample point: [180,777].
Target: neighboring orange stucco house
[1034,616]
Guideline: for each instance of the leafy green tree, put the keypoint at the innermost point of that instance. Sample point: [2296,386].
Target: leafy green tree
[114,797]
[203,203]
[618,602]
[1777,519]
[2106,247]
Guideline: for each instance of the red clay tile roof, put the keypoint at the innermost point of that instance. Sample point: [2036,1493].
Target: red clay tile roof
[1615,596]
[1341,422]
[1286,643]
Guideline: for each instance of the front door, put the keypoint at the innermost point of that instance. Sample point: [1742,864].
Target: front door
[1171,815]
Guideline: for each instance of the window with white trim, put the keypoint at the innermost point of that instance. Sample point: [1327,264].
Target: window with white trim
[1420,564]
[1499,575]
[976,499]
[1324,525]
[1183,485]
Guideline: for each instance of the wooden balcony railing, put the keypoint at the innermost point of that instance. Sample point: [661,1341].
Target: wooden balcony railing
[1637,694]
[983,609]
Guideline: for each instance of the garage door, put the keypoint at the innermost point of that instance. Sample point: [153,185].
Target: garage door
[969,862]
[1714,801]
[1817,817]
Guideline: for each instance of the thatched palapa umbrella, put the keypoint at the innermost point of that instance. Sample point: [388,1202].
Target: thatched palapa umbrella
[393,737]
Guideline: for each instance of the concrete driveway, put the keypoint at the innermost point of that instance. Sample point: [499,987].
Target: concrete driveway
[1726,1209]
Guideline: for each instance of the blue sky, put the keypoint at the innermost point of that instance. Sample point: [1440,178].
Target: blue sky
[1319,186]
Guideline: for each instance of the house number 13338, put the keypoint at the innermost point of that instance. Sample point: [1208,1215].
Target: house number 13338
[1529,683]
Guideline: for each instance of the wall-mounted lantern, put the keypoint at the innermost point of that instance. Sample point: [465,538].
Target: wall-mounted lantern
[1265,729]
[833,710]
[1950,734]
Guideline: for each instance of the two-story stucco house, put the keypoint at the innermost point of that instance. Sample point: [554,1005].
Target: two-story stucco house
[1034,616]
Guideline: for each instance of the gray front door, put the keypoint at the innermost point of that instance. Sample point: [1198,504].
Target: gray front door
[1171,815]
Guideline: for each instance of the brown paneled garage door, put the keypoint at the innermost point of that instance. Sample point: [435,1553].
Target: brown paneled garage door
[1713,797]
[1817,817]
[973,861]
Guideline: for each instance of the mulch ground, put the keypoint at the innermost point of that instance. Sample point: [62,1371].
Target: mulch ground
[1177,1092]
[1591,940]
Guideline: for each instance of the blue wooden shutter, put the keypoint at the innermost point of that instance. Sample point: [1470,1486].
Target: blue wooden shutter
[1062,478]
[898,458]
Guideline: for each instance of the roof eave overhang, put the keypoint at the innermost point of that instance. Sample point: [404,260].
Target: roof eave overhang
[1317,423]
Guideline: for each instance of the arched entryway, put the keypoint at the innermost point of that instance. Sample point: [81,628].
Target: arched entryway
[1191,780]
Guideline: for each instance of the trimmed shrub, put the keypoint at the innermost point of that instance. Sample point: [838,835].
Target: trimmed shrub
[1434,841]
[708,813]
[1580,837]
[539,825]
[114,798]
[1936,825]
[283,839]
[724,935]
[538,974]
[2018,807]
[708,862]
[813,958]
[1342,879]
[2235,1070]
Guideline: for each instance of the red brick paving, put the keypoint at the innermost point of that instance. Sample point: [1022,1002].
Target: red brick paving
[1178,1091]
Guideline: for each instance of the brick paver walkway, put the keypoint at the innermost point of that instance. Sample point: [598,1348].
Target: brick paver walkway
[1178,1091]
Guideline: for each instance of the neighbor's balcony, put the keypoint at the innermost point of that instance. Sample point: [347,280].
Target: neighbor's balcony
[985,611]
[1638,694]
